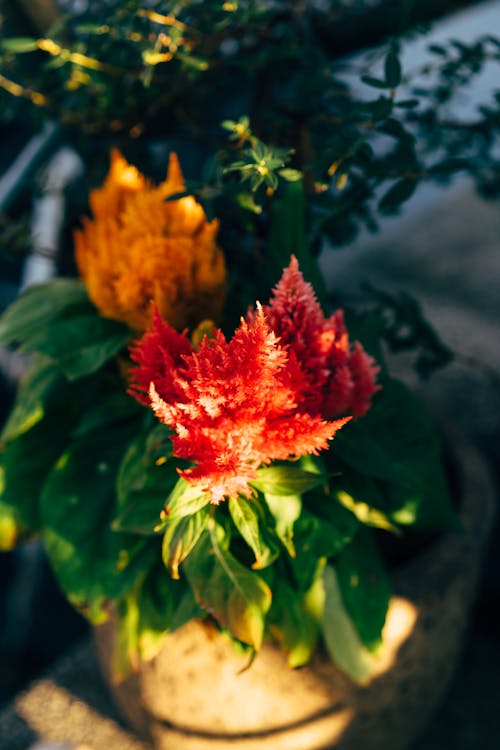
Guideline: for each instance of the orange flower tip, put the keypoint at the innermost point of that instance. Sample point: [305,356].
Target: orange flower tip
[140,249]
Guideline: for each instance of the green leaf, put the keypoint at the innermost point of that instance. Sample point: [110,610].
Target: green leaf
[57,319]
[164,606]
[125,658]
[290,175]
[407,103]
[409,461]
[287,236]
[250,519]
[19,44]
[153,608]
[341,637]
[286,479]
[146,477]
[392,69]
[364,512]
[38,305]
[82,344]
[10,531]
[25,463]
[375,83]
[398,193]
[295,619]
[92,563]
[181,535]
[318,537]
[247,201]
[41,387]
[237,597]
[184,500]
[285,510]
[365,587]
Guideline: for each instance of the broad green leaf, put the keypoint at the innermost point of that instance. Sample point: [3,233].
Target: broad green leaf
[365,587]
[110,408]
[180,537]
[238,598]
[318,537]
[408,461]
[250,519]
[82,344]
[295,619]
[91,562]
[38,305]
[146,477]
[42,386]
[184,500]
[58,319]
[286,479]
[285,510]
[340,635]
[25,464]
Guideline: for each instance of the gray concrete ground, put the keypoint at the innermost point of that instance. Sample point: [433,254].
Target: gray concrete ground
[446,252]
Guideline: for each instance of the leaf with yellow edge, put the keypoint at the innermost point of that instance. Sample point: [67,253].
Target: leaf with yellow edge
[341,637]
[237,597]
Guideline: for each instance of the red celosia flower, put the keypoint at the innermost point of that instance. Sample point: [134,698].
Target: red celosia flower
[267,394]
[339,378]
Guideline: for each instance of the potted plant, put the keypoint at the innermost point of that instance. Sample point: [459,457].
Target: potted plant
[227,480]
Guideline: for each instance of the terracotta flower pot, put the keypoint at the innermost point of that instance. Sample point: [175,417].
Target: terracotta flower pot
[195,696]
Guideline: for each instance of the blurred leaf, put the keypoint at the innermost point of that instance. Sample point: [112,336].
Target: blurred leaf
[397,194]
[249,517]
[41,387]
[92,563]
[392,69]
[365,587]
[180,537]
[57,319]
[410,460]
[295,619]
[318,537]
[285,510]
[19,44]
[341,637]
[375,82]
[184,500]
[146,476]
[286,479]
[237,597]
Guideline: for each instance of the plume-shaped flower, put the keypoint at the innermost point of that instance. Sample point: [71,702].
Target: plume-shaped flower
[236,405]
[338,377]
[141,248]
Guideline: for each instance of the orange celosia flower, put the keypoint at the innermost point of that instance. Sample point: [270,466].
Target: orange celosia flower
[235,405]
[140,248]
